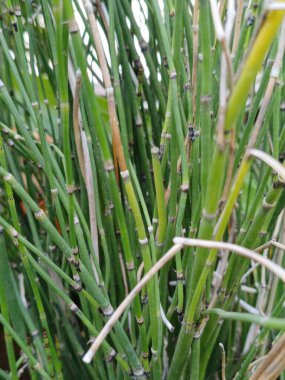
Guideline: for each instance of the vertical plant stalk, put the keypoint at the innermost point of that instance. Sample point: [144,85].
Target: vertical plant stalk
[195,28]
[237,99]
[78,267]
[85,163]
[161,207]
[172,52]
[52,359]
[226,80]
[116,139]
[36,365]
[4,306]
[92,108]
[120,157]
[244,166]
[62,33]
[153,59]
[76,122]
[173,80]
[179,243]
[130,297]
[206,93]
[148,56]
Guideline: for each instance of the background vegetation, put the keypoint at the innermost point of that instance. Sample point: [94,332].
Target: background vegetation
[142,189]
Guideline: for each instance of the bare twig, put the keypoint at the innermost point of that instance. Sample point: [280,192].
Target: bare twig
[242,251]
[179,243]
[270,161]
[118,312]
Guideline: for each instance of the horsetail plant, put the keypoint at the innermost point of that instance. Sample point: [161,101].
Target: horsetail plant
[142,224]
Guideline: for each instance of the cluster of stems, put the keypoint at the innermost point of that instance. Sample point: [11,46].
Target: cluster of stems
[142,223]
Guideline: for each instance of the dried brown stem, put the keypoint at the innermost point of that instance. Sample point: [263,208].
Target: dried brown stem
[179,243]
[116,137]
[87,168]
[275,355]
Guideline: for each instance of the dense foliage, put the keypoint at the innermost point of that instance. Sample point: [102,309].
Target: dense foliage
[142,189]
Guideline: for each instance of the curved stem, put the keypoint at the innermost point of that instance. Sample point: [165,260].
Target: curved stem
[179,244]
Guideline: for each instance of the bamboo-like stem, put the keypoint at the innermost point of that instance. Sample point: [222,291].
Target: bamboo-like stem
[4,308]
[76,94]
[226,76]
[84,273]
[240,83]
[249,357]
[88,90]
[84,160]
[173,86]
[261,44]
[75,284]
[162,218]
[206,94]
[50,351]
[132,294]
[9,230]
[219,155]
[36,365]
[195,28]
[62,31]
[275,323]
[206,269]
[132,199]
[179,244]
[116,138]
[244,167]
[148,56]
[119,155]
[261,299]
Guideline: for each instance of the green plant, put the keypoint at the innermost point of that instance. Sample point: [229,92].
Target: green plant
[142,199]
